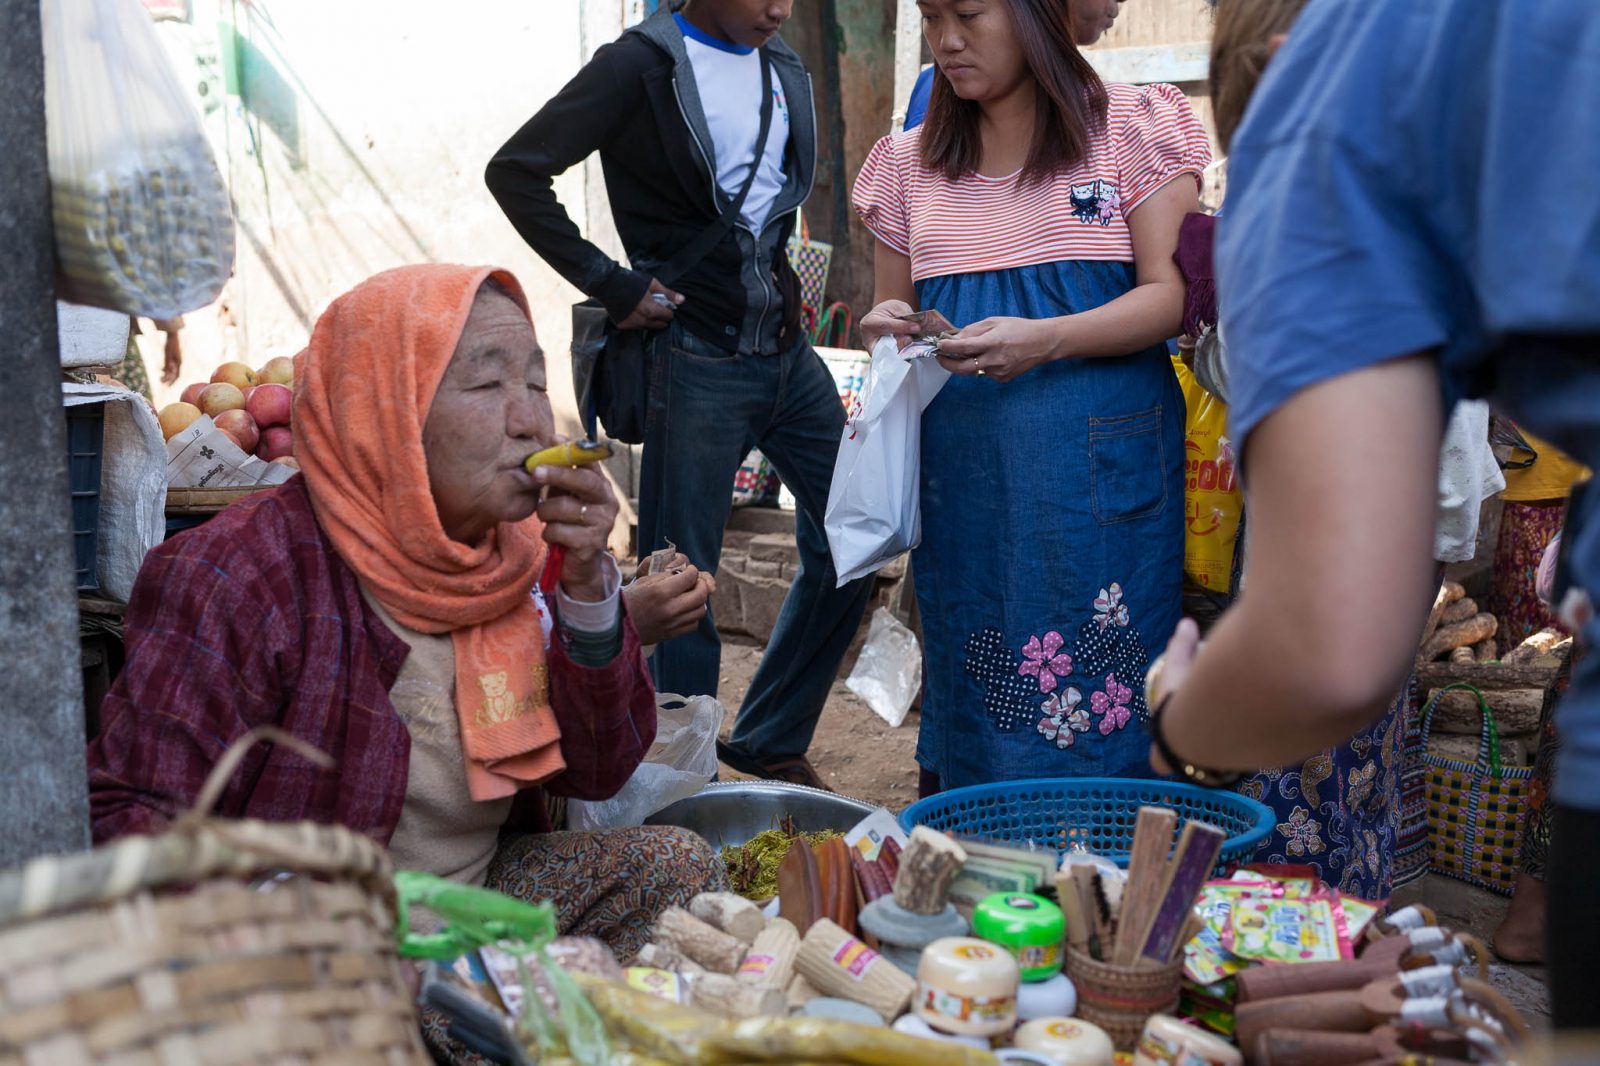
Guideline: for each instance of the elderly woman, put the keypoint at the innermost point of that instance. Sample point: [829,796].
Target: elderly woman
[383,607]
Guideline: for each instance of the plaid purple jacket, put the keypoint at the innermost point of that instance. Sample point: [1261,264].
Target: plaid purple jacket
[252,619]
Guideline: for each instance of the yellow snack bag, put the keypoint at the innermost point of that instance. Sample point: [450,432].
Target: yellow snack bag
[1212,499]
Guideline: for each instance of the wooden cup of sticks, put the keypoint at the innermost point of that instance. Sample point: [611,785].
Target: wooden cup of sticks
[1128,965]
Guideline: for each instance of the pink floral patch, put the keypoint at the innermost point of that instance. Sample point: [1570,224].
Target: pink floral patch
[1043,660]
[1113,705]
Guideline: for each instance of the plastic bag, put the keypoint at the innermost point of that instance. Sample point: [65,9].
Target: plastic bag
[680,763]
[142,221]
[1212,499]
[133,484]
[874,509]
[888,673]
[480,917]
[668,1032]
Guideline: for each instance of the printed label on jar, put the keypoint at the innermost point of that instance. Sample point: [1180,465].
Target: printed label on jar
[1160,1051]
[854,957]
[755,965]
[977,1009]
[1038,956]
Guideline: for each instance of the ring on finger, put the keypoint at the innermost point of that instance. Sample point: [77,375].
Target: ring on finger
[583,512]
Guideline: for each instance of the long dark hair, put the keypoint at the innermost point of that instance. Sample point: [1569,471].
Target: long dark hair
[1070,101]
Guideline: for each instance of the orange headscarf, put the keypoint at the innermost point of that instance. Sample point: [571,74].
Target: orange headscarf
[362,393]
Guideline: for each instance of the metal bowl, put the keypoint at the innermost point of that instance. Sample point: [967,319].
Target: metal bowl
[729,813]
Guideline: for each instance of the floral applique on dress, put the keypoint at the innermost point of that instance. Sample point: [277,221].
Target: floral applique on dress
[1106,664]
[1008,694]
[1064,717]
[1042,660]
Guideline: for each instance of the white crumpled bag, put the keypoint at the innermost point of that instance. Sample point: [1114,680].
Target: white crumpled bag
[888,673]
[133,484]
[874,509]
[681,762]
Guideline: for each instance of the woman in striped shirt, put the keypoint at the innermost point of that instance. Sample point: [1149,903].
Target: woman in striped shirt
[1039,208]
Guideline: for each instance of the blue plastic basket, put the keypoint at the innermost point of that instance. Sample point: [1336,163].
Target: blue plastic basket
[1095,812]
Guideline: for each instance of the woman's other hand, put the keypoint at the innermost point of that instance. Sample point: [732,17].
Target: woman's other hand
[578,512]
[885,320]
[1000,348]
[669,603]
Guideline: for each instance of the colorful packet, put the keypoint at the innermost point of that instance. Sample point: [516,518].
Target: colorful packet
[1288,930]
[1358,914]
[1206,961]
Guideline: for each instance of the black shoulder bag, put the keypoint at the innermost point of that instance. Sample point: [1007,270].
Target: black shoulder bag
[615,371]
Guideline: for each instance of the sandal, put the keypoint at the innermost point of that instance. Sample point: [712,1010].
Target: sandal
[795,770]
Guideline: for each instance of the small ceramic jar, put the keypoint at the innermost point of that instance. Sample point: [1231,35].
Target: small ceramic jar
[967,986]
[1067,1041]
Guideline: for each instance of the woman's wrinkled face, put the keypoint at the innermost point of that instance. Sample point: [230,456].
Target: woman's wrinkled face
[975,45]
[491,412]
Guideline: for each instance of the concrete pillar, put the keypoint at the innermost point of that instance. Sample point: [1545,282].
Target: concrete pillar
[42,788]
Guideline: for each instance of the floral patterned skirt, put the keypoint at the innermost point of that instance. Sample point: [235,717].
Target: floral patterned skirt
[607,885]
[1340,811]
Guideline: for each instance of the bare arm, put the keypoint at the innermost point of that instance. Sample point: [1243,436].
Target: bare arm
[1149,313]
[893,294]
[1341,486]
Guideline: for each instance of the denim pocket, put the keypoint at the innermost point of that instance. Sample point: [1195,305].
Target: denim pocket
[1127,467]
[694,349]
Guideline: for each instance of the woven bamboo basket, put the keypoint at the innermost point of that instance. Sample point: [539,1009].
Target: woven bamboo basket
[1120,999]
[175,950]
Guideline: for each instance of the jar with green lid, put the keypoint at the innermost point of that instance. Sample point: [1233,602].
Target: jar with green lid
[1030,927]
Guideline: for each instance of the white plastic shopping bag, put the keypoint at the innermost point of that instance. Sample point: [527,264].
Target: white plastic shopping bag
[874,511]
[142,219]
[680,763]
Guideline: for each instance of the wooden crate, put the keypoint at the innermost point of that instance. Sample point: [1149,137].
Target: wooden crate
[207,501]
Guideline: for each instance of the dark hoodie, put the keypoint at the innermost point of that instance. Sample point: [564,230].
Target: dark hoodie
[637,104]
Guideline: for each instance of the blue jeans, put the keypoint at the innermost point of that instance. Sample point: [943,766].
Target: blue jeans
[718,406]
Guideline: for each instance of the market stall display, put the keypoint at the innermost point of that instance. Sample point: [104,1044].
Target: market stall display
[1165,961]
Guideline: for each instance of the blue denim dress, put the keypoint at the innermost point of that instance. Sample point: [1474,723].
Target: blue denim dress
[1051,560]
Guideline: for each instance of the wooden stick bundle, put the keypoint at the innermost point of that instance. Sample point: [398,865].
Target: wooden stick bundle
[770,960]
[732,998]
[710,947]
[837,964]
[729,912]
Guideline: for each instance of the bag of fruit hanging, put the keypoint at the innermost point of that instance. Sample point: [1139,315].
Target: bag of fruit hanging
[1212,499]
[141,215]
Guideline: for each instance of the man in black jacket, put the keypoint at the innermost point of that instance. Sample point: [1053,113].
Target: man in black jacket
[674,108]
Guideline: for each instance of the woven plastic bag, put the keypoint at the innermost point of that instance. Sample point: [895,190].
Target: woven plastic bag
[1476,810]
[141,215]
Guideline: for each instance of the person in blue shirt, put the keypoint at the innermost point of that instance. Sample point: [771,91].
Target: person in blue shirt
[1087,19]
[1413,218]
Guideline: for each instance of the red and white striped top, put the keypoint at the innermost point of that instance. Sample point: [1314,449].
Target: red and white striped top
[977,224]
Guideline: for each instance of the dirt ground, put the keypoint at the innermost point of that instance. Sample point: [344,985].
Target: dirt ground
[857,753]
[854,750]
